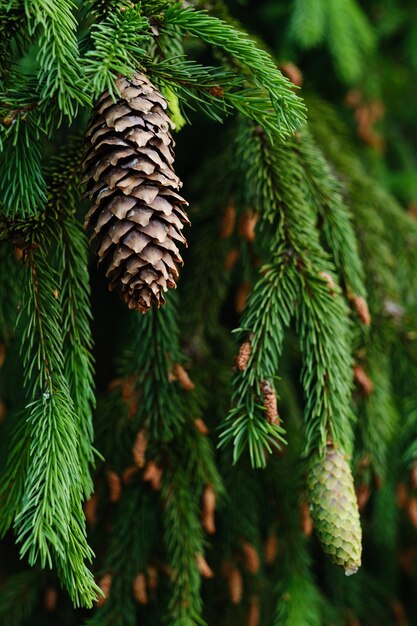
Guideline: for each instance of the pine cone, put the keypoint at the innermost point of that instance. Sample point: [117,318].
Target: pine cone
[334,508]
[137,213]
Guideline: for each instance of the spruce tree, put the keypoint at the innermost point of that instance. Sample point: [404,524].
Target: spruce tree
[230,428]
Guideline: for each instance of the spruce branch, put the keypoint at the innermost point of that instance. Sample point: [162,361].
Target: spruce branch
[47,491]
[71,260]
[53,26]
[288,108]
[326,192]
[22,183]
[119,43]
[183,537]
[273,185]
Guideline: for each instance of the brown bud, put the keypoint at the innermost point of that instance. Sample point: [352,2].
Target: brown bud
[306,519]
[201,426]
[271,549]
[115,486]
[270,402]
[203,567]
[129,473]
[3,412]
[361,307]
[363,493]
[18,252]
[402,495]
[153,475]
[412,511]
[105,585]
[152,579]
[251,557]
[228,222]
[139,448]
[247,225]
[231,259]
[2,354]
[330,282]
[180,375]
[208,508]
[217,92]
[254,612]
[50,599]
[292,72]
[241,296]
[90,510]
[243,356]
[362,379]
[407,560]
[139,589]
[235,584]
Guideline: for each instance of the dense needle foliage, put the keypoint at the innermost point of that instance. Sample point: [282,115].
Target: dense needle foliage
[153,467]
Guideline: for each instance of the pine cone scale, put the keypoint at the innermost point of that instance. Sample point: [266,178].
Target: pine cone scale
[137,214]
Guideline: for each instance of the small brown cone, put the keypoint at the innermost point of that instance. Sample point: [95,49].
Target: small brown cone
[208,509]
[3,412]
[270,402]
[153,475]
[241,297]
[180,374]
[254,612]
[2,354]
[235,584]
[247,226]
[228,222]
[114,483]
[140,592]
[152,579]
[402,495]
[271,549]
[231,259]
[139,448]
[50,599]
[129,473]
[306,521]
[362,379]
[251,558]
[243,356]
[203,567]
[90,510]
[361,306]
[136,213]
[412,511]
[363,493]
[201,426]
[292,72]
[105,585]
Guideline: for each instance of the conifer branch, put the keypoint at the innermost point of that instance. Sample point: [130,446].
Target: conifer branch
[118,47]
[288,108]
[53,25]
[183,538]
[46,485]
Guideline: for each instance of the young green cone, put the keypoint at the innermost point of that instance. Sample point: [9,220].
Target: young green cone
[334,508]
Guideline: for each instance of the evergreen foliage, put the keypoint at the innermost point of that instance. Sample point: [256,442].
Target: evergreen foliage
[159,468]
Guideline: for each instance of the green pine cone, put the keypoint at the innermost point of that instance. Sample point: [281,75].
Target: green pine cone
[334,508]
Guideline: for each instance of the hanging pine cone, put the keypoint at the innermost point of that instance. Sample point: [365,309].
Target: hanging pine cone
[334,508]
[137,213]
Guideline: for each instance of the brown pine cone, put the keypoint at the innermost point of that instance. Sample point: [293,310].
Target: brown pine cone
[137,213]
